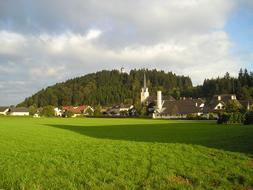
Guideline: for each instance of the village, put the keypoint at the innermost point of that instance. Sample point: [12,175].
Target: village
[159,106]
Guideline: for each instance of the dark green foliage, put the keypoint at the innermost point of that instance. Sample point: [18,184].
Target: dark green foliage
[68,113]
[48,111]
[248,118]
[233,106]
[97,111]
[230,118]
[192,116]
[32,110]
[242,86]
[223,118]
[233,113]
[211,116]
[108,88]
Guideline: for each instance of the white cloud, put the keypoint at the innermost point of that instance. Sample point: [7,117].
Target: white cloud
[48,71]
[50,55]
[93,34]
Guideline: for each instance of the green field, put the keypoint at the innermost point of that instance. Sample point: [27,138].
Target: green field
[124,154]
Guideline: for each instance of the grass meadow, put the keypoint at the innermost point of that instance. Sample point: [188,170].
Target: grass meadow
[86,153]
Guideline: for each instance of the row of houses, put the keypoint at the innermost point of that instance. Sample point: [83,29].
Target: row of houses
[168,107]
[23,111]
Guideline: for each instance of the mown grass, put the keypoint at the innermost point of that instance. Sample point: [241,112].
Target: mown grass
[124,154]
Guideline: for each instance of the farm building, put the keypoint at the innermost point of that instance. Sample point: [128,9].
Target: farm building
[20,111]
[119,110]
[78,110]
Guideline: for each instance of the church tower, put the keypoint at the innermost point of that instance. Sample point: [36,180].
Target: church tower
[144,90]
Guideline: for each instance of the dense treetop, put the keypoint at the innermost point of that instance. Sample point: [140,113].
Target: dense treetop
[242,86]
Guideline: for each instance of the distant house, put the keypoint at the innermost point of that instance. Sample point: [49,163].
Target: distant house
[219,102]
[172,109]
[4,110]
[118,110]
[58,112]
[78,110]
[20,111]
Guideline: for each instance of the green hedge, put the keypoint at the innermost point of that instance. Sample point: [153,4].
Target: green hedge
[230,118]
[248,118]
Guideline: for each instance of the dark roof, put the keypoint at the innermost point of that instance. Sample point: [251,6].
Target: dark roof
[154,98]
[209,107]
[187,106]
[224,100]
[224,97]
[3,108]
[19,109]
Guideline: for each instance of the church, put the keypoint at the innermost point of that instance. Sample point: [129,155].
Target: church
[168,107]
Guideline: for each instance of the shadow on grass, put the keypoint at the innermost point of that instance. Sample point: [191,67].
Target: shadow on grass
[234,138]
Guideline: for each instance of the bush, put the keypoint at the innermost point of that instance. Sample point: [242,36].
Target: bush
[191,116]
[48,111]
[211,116]
[68,113]
[32,110]
[229,118]
[97,111]
[223,118]
[248,118]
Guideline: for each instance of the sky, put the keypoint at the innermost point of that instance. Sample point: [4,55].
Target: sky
[49,41]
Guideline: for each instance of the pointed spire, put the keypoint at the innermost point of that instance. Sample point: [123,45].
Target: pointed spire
[144,82]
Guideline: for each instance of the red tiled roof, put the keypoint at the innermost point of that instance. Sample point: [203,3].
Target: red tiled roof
[75,109]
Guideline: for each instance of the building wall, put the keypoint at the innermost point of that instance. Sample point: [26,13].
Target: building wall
[144,94]
[19,113]
[164,116]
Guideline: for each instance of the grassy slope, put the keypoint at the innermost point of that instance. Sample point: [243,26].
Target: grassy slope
[123,154]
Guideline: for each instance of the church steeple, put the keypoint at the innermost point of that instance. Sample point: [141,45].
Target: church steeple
[144,90]
[144,82]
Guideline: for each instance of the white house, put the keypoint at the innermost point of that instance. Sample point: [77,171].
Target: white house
[58,112]
[21,111]
[4,110]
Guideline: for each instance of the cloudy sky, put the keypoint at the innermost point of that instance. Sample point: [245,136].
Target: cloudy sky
[47,41]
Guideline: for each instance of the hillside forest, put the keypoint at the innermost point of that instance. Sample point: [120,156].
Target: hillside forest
[108,88]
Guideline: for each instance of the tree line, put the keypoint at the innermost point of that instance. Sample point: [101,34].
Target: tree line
[107,88]
[242,86]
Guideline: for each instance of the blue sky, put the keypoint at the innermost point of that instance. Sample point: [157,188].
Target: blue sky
[44,42]
[240,30]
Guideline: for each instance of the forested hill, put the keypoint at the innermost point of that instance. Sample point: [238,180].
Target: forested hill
[242,86]
[108,88]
